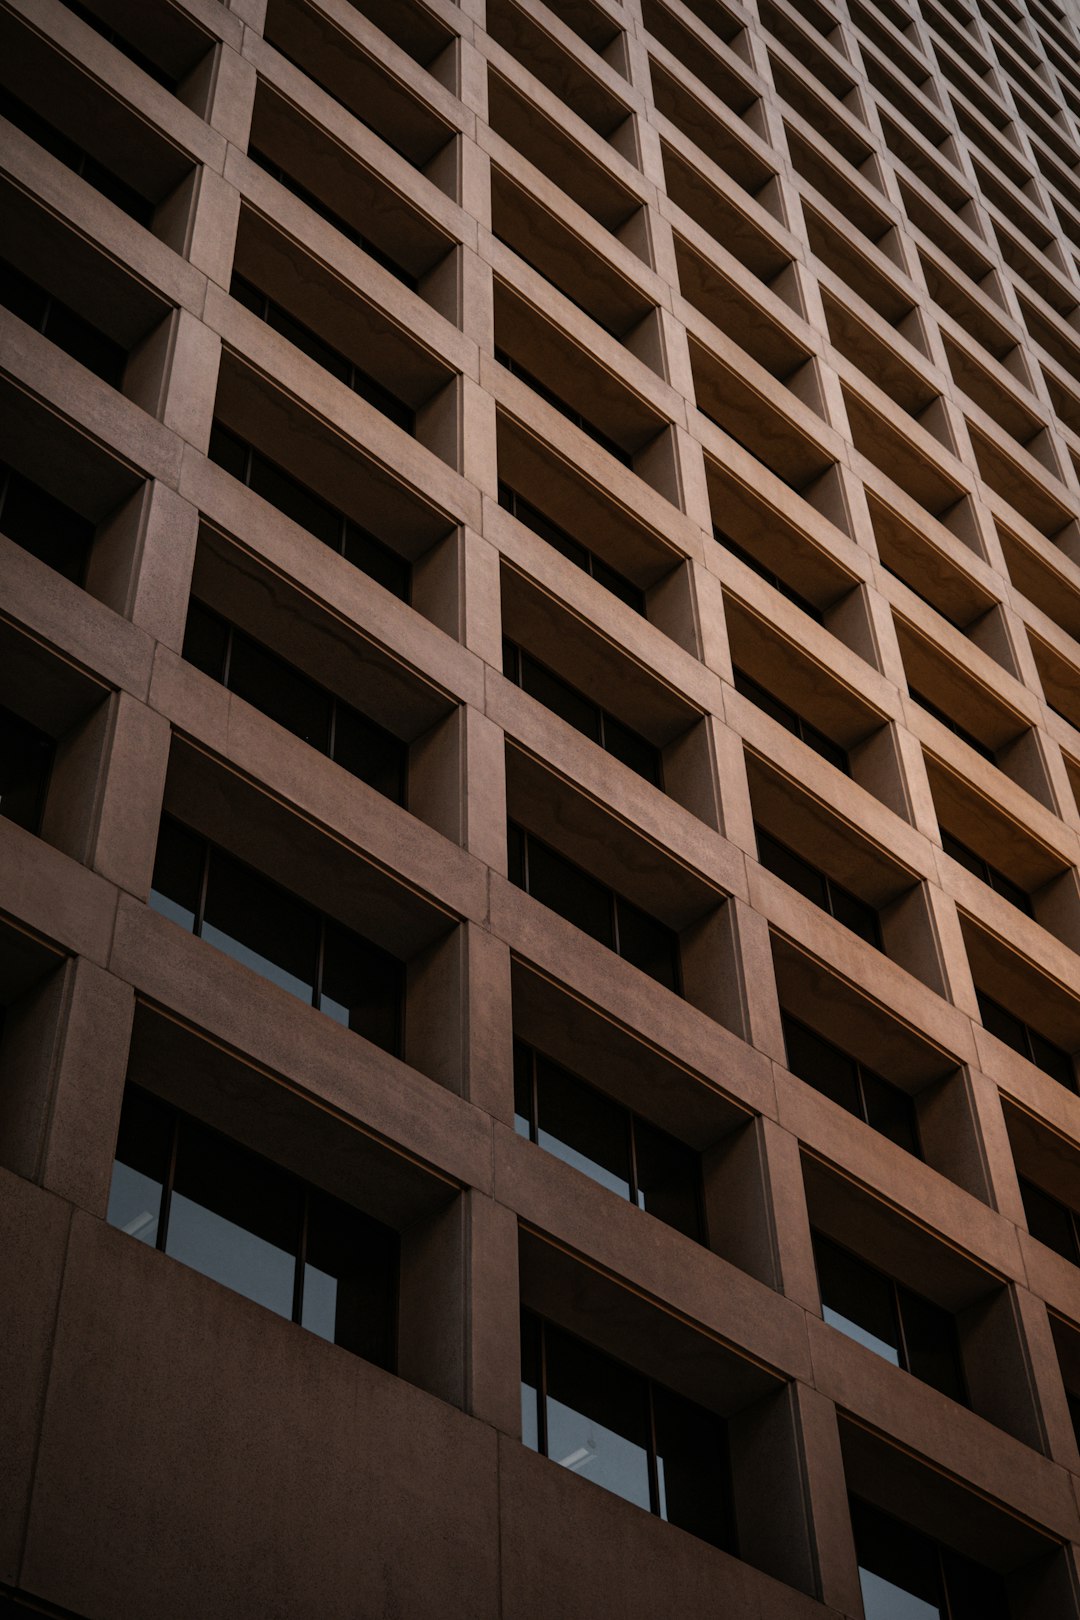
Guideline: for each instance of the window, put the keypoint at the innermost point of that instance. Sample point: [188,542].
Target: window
[897,1324]
[309,510]
[766,574]
[570,548]
[906,1575]
[114,37]
[581,712]
[623,1152]
[339,365]
[989,874]
[234,1216]
[61,325]
[1051,1221]
[309,711]
[276,172]
[72,156]
[560,404]
[1051,1059]
[44,526]
[26,756]
[952,725]
[841,1077]
[840,903]
[280,937]
[791,721]
[602,1420]
[591,906]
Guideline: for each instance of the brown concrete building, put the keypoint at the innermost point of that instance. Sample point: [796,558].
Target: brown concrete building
[540,826]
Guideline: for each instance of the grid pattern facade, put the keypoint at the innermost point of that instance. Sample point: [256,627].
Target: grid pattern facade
[659,423]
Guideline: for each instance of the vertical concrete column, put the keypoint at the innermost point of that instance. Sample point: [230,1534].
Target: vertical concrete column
[493,1309]
[66,1049]
[826,1491]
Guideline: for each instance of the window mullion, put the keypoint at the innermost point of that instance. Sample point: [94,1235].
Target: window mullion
[200,910]
[654,1467]
[633,1158]
[541,1391]
[167,1189]
[905,1359]
[320,962]
[301,1259]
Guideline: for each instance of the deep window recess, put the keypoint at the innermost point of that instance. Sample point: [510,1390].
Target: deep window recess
[1051,1059]
[115,38]
[300,503]
[570,548]
[26,756]
[623,1152]
[571,413]
[1051,1221]
[952,725]
[629,1435]
[856,1088]
[72,155]
[44,526]
[339,365]
[309,711]
[252,919]
[847,908]
[276,172]
[593,907]
[581,712]
[894,1322]
[766,574]
[234,1216]
[906,1575]
[989,874]
[61,325]
[792,722]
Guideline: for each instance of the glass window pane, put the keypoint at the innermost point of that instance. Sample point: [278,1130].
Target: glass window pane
[206,640]
[530,1381]
[234,1218]
[692,1468]
[298,502]
[515,848]
[381,564]
[575,895]
[362,986]
[583,1128]
[618,585]
[267,929]
[350,1279]
[1052,1060]
[974,1593]
[280,691]
[141,1167]
[597,1417]
[25,761]
[648,944]
[1003,1024]
[229,451]
[890,1111]
[822,1065]
[178,870]
[854,913]
[1049,1221]
[668,1179]
[523,1099]
[898,1567]
[633,750]
[370,752]
[792,869]
[933,1351]
[44,526]
[561,699]
[858,1300]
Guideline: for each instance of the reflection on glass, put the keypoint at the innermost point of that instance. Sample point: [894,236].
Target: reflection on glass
[884,1601]
[234,1218]
[585,1129]
[597,1418]
[135,1203]
[861,1335]
[607,1458]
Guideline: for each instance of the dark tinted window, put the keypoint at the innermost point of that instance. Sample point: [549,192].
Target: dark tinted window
[254,1227]
[72,155]
[846,907]
[766,574]
[572,549]
[593,907]
[61,325]
[836,1074]
[1051,1221]
[582,1126]
[635,1438]
[279,936]
[26,756]
[1027,1041]
[44,526]
[989,874]
[906,1575]
[581,712]
[791,721]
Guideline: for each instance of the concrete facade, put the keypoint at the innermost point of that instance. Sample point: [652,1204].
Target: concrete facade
[812,269]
